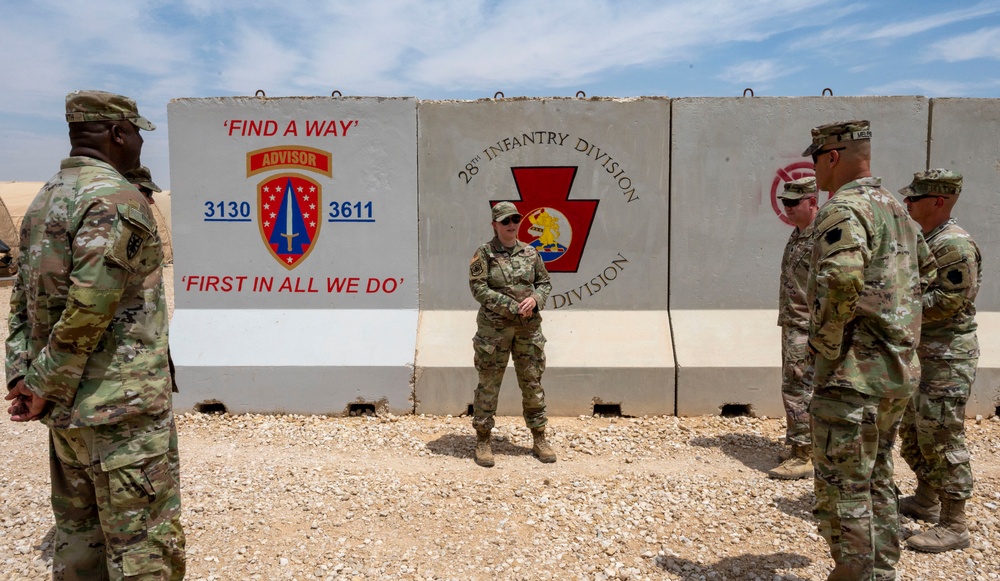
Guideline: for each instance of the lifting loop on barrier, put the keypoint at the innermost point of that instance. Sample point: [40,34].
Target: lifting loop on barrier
[260,93]
[581,95]
[748,89]
[498,95]
[336,93]
[827,89]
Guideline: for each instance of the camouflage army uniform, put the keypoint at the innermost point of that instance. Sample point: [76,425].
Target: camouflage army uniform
[869,266]
[88,333]
[793,317]
[500,280]
[933,431]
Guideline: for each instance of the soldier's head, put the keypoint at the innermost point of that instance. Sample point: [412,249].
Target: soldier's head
[931,196]
[799,198]
[106,126]
[141,178]
[506,220]
[841,152]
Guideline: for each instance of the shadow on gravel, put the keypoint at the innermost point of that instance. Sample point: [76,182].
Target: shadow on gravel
[740,567]
[753,451]
[461,446]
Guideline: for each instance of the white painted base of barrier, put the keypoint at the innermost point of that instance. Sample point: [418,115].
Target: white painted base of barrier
[609,357]
[728,357]
[294,361]
[734,357]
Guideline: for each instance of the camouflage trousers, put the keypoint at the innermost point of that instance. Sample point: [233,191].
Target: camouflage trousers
[796,384]
[856,504]
[116,501]
[932,436]
[493,347]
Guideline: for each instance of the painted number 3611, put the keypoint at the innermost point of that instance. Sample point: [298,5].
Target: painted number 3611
[351,212]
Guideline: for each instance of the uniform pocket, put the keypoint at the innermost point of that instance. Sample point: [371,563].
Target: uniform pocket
[141,560]
[958,456]
[134,466]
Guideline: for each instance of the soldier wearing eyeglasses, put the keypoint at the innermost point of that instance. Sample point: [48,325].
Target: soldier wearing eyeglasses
[799,200]
[509,280]
[869,267]
[932,435]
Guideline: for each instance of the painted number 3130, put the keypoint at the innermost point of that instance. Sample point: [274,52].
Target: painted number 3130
[227,211]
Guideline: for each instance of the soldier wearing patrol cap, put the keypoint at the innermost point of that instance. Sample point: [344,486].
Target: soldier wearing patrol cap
[87,354]
[799,200]
[142,179]
[509,280]
[932,434]
[869,266]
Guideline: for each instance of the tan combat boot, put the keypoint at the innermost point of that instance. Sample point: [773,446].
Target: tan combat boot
[484,449]
[799,465]
[951,532]
[923,505]
[541,448]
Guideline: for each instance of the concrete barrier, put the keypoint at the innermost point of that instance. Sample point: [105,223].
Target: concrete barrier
[730,158]
[964,137]
[599,167]
[295,244]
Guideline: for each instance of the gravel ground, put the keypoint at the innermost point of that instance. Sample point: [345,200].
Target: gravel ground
[398,497]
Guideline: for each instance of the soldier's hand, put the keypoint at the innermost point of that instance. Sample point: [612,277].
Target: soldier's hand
[527,307]
[26,405]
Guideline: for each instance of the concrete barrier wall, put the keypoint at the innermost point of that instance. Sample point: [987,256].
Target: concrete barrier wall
[295,251]
[645,191]
[964,138]
[598,170]
[730,158]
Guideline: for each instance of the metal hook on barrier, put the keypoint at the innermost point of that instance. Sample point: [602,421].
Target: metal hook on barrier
[581,95]
[827,89]
[260,93]
[336,93]
[498,95]
[748,89]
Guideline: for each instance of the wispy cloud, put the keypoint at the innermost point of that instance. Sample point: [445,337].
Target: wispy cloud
[983,43]
[934,87]
[757,72]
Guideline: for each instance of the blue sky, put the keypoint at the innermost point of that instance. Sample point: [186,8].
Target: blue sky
[155,51]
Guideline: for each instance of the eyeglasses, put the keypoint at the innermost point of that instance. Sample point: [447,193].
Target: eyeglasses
[912,199]
[515,219]
[816,154]
[790,203]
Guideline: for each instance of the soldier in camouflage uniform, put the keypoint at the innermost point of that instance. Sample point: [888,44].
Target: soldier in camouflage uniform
[87,354]
[799,199]
[509,280]
[142,179]
[932,435]
[869,267]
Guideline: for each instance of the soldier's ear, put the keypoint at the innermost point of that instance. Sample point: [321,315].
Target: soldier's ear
[116,134]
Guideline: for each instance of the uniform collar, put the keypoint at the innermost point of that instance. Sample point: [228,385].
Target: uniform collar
[499,247]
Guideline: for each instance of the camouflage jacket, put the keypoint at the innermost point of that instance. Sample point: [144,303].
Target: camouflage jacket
[500,280]
[869,267]
[88,321]
[949,329]
[793,311]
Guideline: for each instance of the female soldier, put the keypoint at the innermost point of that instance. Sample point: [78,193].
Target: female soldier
[509,280]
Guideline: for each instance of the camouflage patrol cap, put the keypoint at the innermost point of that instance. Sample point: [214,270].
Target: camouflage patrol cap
[103,106]
[838,132]
[798,189]
[937,181]
[141,177]
[504,209]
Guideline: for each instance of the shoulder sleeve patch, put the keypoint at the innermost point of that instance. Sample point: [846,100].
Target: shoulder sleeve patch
[955,276]
[478,265]
[833,233]
[128,235]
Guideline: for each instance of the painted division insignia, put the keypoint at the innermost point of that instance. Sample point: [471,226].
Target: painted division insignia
[289,210]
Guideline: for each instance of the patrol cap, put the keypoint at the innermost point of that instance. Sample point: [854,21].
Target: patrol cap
[838,132]
[504,209]
[103,106]
[934,181]
[140,176]
[798,189]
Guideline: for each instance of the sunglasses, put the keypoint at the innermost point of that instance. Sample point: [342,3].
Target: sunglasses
[506,221]
[913,199]
[790,203]
[816,154]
